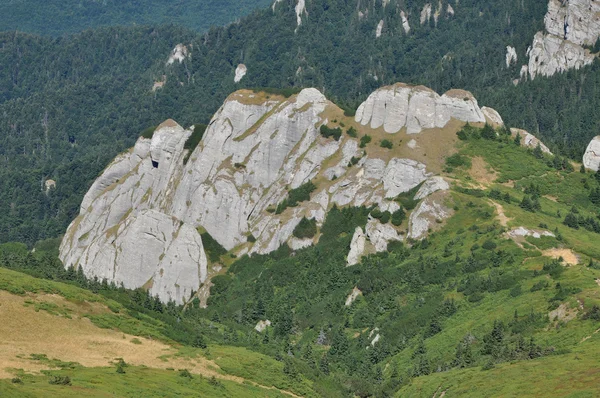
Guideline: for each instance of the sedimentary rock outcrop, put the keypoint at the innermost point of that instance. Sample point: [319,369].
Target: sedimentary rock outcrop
[140,221]
[240,72]
[591,158]
[416,108]
[529,140]
[570,25]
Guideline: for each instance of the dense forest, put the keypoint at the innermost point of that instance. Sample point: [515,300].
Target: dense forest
[70,104]
[60,17]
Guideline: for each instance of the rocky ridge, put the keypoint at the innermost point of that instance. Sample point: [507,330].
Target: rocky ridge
[140,223]
[571,26]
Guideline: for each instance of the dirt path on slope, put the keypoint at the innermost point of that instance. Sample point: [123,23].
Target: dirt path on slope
[567,254]
[501,217]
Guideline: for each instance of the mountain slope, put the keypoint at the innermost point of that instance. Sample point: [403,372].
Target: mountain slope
[445,245]
[70,107]
[84,336]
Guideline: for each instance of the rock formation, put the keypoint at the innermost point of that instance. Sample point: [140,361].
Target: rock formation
[426,13]
[416,109]
[570,25]
[240,72]
[379,29]
[405,24]
[357,247]
[139,222]
[529,140]
[120,235]
[179,53]
[511,56]
[591,158]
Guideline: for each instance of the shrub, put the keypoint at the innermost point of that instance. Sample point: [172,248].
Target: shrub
[488,133]
[149,132]
[352,132]
[398,217]
[489,245]
[327,132]
[295,196]
[457,160]
[364,140]
[305,229]
[251,238]
[60,380]
[386,144]
[185,373]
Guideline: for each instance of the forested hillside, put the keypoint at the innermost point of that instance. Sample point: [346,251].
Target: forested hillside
[70,104]
[60,17]
[508,286]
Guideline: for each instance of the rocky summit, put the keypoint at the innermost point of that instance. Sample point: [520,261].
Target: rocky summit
[143,220]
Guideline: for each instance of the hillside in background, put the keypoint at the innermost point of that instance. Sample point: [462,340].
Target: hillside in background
[63,17]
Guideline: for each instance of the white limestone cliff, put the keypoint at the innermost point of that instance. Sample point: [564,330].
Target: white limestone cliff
[492,116]
[120,234]
[569,26]
[379,29]
[357,247]
[179,54]
[300,11]
[528,140]
[429,215]
[416,108]
[139,221]
[511,56]
[405,24]
[240,72]
[426,13]
[591,158]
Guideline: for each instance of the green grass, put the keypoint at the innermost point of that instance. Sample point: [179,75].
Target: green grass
[136,382]
[259,368]
[573,375]
[19,283]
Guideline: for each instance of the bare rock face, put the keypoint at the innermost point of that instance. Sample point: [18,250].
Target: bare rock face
[426,13]
[240,72]
[416,108]
[139,221]
[300,11]
[357,247]
[529,140]
[381,234]
[405,24]
[429,215]
[570,25]
[379,29]
[492,117]
[179,54]
[122,234]
[511,56]
[432,185]
[352,296]
[591,158]
[250,153]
